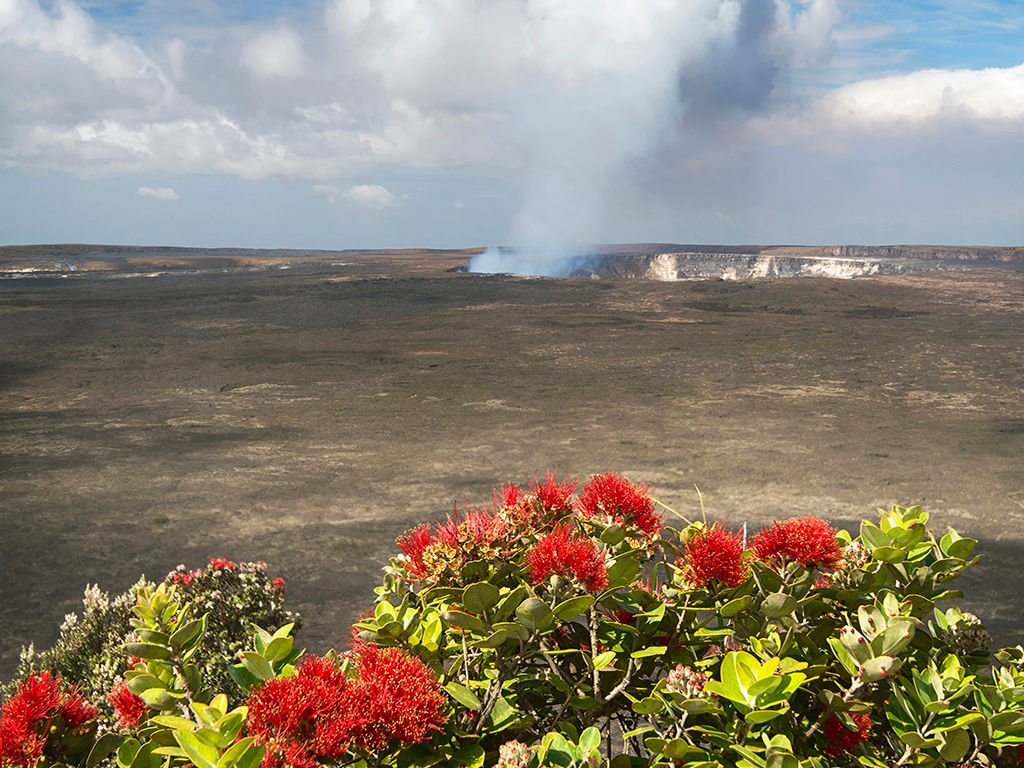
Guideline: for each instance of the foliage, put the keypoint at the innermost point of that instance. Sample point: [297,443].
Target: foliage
[90,649]
[574,629]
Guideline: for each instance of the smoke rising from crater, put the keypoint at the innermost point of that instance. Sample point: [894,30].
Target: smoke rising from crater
[623,96]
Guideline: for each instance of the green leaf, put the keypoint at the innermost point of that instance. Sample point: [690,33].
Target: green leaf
[127,751]
[160,698]
[148,650]
[602,660]
[480,597]
[153,636]
[144,682]
[856,645]
[518,631]
[954,745]
[623,571]
[613,535]
[257,665]
[510,602]
[464,621]
[174,722]
[186,634]
[532,613]
[733,607]
[171,752]
[502,714]
[493,640]
[104,745]
[573,607]
[283,631]
[759,716]
[589,740]
[894,639]
[648,706]
[231,724]
[471,756]
[278,648]
[235,752]
[842,655]
[878,668]
[873,536]
[653,650]
[889,554]
[463,695]
[871,620]
[778,604]
[200,753]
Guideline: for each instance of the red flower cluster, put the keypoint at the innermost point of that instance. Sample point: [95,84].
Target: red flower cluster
[714,555]
[278,584]
[457,540]
[843,739]
[27,717]
[219,564]
[613,499]
[553,494]
[394,696]
[319,714]
[808,540]
[302,719]
[507,496]
[561,553]
[129,708]
[181,576]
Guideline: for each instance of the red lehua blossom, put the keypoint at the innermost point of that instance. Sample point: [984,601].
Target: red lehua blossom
[714,555]
[25,717]
[843,739]
[278,584]
[183,577]
[553,494]
[219,564]
[475,526]
[129,708]
[75,710]
[412,543]
[394,696]
[559,552]
[613,498]
[808,540]
[507,496]
[302,719]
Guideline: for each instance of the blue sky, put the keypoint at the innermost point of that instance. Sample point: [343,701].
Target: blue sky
[458,123]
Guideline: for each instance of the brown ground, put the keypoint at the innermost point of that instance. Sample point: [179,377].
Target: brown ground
[308,416]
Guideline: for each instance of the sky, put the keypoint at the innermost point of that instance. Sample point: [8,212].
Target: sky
[542,123]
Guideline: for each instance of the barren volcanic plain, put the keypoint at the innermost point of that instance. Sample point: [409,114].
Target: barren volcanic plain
[306,411]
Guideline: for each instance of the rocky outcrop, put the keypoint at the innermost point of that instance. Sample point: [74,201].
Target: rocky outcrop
[846,262]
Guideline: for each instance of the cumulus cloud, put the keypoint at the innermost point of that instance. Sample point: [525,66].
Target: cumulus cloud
[370,196]
[365,195]
[158,193]
[928,95]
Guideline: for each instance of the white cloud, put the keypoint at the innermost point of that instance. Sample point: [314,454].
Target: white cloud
[158,193]
[370,196]
[274,53]
[928,95]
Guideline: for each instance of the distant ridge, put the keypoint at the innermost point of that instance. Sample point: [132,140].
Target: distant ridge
[614,261]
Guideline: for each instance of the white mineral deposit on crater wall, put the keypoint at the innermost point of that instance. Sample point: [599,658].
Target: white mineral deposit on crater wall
[663,267]
[839,268]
